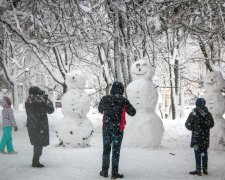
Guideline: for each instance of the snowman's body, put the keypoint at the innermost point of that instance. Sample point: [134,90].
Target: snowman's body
[75,129]
[213,84]
[145,129]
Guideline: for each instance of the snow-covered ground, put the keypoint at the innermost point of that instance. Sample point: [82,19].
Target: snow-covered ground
[172,161]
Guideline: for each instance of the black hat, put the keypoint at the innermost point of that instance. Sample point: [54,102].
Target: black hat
[117,88]
[200,102]
[34,90]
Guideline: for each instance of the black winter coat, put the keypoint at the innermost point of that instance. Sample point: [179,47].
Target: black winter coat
[200,120]
[113,107]
[37,121]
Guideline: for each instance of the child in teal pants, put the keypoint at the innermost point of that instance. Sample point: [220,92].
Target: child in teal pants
[8,123]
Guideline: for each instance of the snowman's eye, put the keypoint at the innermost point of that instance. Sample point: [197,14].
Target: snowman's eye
[145,64]
[137,65]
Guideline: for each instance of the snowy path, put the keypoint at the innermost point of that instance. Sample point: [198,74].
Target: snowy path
[85,164]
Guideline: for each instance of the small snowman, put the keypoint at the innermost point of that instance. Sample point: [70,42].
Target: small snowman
[75,129]
[145,129]
[214,84]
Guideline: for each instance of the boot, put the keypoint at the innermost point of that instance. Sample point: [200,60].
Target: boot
[205,172]
[36,163]
[104,173]
[116,175]
[195,173]
[204,168]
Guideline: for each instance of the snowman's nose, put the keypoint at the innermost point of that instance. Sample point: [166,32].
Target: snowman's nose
[139,69]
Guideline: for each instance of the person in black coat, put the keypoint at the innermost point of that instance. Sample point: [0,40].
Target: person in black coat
[200,121]
[113,107]
[37,106]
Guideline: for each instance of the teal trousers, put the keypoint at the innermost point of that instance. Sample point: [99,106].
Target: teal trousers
[6,140]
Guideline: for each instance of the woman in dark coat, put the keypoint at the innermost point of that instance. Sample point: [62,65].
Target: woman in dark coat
[37,106]
[200,121]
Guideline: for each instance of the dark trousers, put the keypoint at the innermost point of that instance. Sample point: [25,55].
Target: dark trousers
[201,158]
[37,153]
[110,140]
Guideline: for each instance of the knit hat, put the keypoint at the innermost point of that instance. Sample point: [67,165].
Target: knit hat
[117,88]
[200,102]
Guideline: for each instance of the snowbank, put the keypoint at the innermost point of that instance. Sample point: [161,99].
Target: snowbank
[172,161]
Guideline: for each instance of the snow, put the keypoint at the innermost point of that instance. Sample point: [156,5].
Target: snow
[213,84]
[145,128]
[45,40]
[27,69]
[75,129]
[75,79]
[142,69]
[172,161]
[157,23]
[85,8]
[158,1]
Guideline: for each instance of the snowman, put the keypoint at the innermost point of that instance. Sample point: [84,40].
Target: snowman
[214,84]
[75,129]
[145,129]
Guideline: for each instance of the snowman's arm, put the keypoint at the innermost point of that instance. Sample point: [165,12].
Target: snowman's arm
[130,110]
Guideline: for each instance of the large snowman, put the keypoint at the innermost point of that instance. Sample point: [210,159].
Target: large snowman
[75,129]
[213,85]
[145,129]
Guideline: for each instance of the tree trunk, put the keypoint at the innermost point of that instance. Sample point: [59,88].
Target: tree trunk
[176,76]
[104,69]
[171,57]
[15,95]
[205,54]
[173,107]
[64,88]
[116,59]
[127,45]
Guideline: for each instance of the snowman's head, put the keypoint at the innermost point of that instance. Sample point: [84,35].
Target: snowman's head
[142,69]
[75,79]
[213,81]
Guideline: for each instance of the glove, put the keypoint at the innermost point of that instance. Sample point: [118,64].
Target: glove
[15,128]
